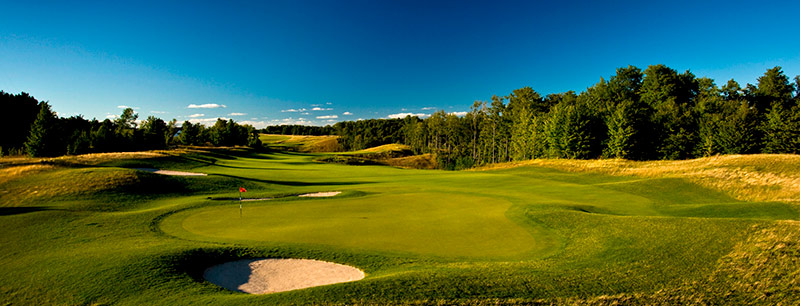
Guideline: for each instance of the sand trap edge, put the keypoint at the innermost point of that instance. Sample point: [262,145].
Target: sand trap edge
[320,194]
[171,172]
[270,275]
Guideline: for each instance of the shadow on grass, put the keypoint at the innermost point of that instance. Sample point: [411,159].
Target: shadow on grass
[292,183]
[8,211]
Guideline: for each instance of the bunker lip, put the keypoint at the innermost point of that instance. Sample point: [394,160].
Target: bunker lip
[320,194]
[270,275]
[171,172]
[305,195]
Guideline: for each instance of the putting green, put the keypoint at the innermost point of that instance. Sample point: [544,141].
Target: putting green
[424,223]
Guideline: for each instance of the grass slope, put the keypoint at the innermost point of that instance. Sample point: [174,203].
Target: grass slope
[78,230]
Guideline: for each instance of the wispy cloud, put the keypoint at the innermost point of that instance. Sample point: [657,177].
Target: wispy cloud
[196,115]
[292,110]
[403,115]
[328,117]
[347,113]
[292,121]
[237,114]
[321,109]
[460,114]
[158,112]
[428,108]
[328,103]
[125,106]
[208,105]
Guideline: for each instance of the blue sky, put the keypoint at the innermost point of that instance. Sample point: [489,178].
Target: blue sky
[318,62]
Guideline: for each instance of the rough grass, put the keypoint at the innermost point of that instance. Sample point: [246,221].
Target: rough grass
[757,177]
[596,232]
[299,143]
[395,155]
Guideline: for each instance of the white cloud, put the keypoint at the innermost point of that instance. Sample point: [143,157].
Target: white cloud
[158,112]
[328,117]
[347,113]
[403,115]
[328,103]
[460,114]
[255,124]
[125,106]
[292,121]
[428,108]
[206,121]
[237,114]
[196,115]
[305,114]
[293,110]
[112,116]
[321,109]
[208,105]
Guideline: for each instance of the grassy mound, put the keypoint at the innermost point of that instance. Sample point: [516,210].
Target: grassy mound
[300,143]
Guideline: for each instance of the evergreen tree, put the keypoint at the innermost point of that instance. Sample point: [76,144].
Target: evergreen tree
[43,137]
[781,130]
[621,130]
[154,133]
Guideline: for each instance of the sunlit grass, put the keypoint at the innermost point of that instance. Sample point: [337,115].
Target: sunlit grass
[92,230]
[756,177]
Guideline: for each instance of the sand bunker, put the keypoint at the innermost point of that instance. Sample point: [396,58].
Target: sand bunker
[259,276]
[320,194]
[170,172]
[256,199]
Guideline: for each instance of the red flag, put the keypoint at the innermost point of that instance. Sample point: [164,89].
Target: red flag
[241,189]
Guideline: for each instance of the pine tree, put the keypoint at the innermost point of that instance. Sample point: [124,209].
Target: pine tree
[621,131]
[42,138]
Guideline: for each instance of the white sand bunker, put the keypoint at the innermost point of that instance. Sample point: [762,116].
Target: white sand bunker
[320,194]
[259,276]
[170,172]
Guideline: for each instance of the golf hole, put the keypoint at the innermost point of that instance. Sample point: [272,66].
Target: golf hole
[260,276]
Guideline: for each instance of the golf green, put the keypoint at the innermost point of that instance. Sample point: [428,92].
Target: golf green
[424,223]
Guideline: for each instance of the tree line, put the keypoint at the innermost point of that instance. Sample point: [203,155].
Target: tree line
[296,129]
[43,133]
[653,114]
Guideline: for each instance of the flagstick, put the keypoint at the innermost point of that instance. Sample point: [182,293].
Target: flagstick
[240,202]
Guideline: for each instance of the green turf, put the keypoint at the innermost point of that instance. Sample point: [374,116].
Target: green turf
[424,223]
[107,234]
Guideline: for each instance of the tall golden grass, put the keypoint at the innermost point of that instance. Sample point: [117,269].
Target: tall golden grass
[757,177]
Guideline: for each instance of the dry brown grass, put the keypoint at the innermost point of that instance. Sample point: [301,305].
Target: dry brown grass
[324,144]
[10,173]
[758,177]
[386,148]
[83,159]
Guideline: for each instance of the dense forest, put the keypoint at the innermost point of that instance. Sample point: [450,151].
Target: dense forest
[295,129]
[653,114]
[40,132]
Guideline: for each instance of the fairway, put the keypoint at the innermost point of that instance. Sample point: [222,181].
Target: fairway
[529,233]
